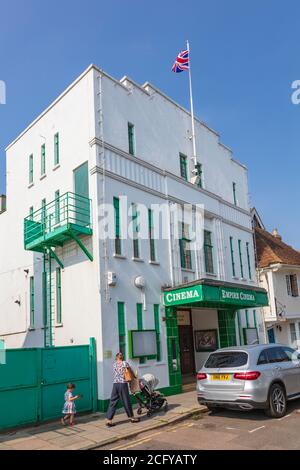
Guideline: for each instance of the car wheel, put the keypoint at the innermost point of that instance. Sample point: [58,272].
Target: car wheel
[276,402]
[213,409]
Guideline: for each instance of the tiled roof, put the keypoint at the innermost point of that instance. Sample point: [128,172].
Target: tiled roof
[272,250]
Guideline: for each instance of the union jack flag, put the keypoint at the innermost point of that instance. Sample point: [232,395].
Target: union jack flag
[181,62]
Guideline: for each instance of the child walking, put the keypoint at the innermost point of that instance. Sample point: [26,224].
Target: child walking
[69,409]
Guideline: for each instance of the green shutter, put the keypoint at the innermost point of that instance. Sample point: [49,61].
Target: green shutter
[131,139]
[232,257]
[241,258]
[30,168]
[183,166]
[56,149]
[31,211]
[248,260]
[58,296]
[43,159]
[254,319]
[122,328]
[157,329]
[31,302]
[43,213]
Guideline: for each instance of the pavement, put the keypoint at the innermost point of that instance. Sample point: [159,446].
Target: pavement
[222,430]
[90,431]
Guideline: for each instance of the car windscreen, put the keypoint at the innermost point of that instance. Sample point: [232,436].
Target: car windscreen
[224,359]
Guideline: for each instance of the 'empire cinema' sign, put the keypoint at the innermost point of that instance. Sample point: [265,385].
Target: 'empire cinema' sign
[233,295]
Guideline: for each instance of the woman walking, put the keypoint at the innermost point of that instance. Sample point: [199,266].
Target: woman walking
[120,391]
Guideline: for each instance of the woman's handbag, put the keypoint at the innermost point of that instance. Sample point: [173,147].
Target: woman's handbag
[128,375]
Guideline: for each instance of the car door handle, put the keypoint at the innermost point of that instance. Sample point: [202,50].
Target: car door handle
[278,368]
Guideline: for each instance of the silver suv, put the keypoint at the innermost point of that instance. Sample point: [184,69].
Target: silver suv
[261,376]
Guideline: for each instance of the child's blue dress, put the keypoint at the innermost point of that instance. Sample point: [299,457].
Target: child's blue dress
[69,406]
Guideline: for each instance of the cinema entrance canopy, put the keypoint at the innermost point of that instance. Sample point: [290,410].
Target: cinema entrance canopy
[206,293]
[203,316]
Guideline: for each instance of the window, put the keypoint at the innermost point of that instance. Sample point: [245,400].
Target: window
[232,257]
[199,174]
[184,245]
[30,169]
[118,247]
[57,207]
[234,193]
[183,166]
[58,296]
[208,252]
[31,211]
[241,258]
[56,149]
[263,358]
[135,228]
[131,139]
[122,328]
[43,215]
[293,332]
[31,283]
[276,354]
[43,159]
[228,359]
[248,260]
[292,285]
[157,329]
[151,236]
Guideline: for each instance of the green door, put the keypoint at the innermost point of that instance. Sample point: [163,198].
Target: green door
[81,214]
[227,331]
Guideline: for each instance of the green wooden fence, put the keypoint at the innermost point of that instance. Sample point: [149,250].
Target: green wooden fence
[33,382]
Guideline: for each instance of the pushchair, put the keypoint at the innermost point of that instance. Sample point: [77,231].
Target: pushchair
[147,397]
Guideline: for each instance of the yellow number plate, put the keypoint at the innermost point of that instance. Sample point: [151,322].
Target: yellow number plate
[220,377]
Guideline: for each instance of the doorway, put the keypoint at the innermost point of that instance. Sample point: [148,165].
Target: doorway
[186,343]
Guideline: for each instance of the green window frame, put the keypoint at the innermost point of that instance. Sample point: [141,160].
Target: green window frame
[208,252]
[131,138]
[183,166]
[57,207]
[232,256]
[248,261]
[30,176]
[184,246]
[241,258]
[31,212]
[151,236]
[157,329]
[58,296]
[122,328]
[118,244]
[43,159]
[234,193]
[31,287]
[247,318]
[56,149]
[135,227]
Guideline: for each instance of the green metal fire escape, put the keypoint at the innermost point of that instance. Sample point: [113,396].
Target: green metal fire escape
[64,219]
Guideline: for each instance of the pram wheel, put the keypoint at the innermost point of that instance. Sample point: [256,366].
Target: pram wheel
[139,411]
[166,407]
[149,413]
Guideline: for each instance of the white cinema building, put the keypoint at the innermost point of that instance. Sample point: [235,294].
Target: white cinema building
[165,306]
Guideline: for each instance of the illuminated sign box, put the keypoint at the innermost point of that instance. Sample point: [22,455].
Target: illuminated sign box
[142,343]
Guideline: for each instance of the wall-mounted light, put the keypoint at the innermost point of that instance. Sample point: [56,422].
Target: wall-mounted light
[18,302]
[26,271]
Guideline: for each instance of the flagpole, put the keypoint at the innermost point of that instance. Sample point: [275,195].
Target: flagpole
[192,107]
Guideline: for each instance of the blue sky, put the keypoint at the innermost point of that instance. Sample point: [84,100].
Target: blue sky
[245,57]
